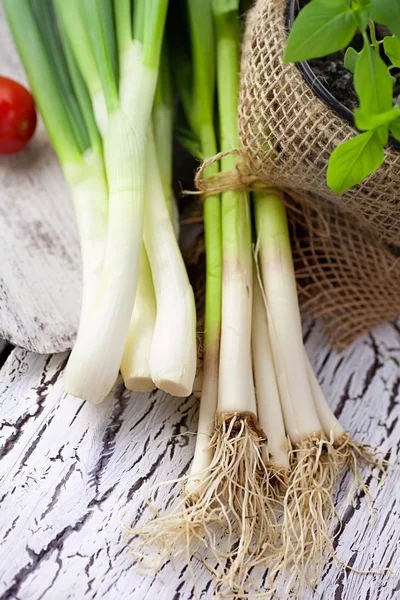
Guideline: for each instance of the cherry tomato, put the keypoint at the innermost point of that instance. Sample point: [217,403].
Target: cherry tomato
[17,116]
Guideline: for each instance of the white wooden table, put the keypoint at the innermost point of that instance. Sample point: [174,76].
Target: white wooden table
[68,470]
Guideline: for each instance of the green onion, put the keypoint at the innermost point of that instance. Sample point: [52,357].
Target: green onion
[198,99]
[266,385]
[135,364]
[235,394]
[173,351]
[45,21]
[163,124]
[279,282]
[70,14]
[123,23]
[95,360]
[172,359]
[199,111]
[80,91]
[48,97]
[51,79]
[321,447]
[224,485]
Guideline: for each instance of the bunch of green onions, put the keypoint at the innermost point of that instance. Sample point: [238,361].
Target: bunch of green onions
[104,94]
[268,451]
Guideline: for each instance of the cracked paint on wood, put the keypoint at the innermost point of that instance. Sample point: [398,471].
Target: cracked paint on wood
[70,470]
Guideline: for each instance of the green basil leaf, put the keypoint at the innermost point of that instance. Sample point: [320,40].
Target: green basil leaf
[395,129]
[353,161]
[350,59]
[383,134]
[367,121]
[387,12]
[320,28]
[373,82]
[392,49]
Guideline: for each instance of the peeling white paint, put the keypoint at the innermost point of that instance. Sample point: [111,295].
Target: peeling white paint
[68,469]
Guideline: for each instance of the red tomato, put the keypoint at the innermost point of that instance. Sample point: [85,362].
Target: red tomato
[17,116]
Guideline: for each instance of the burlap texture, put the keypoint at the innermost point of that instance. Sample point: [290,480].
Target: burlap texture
[345,276]
[346,271]
[288,134]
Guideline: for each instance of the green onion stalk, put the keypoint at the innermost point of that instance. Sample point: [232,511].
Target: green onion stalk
[199,113]
[95,360]
[135,364]
[228,484]
[64,103]
[172,353]
[196,86]
[163,126]
[239,472]
[320,447]
[101,65]
[266,386]
[135,367]
[71,18]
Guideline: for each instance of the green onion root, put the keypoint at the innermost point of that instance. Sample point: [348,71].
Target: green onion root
[320,447]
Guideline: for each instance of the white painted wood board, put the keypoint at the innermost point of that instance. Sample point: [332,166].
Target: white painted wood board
[40,279]
[67,469]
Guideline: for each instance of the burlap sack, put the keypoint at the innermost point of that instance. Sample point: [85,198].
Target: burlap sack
[346,271]
[288,133]
[345,275]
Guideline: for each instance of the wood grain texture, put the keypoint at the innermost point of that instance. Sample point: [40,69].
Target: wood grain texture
[40,281]
[69,469]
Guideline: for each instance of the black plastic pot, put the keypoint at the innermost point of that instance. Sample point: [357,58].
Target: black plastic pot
[315,84]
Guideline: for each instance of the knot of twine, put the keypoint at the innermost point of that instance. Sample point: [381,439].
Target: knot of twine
[240,178]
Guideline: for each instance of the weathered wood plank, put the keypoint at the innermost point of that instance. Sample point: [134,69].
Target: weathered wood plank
[40,264]
[68,469]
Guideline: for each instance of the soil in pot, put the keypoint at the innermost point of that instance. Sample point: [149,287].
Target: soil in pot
[332,73]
